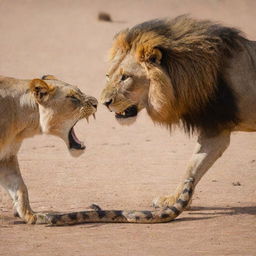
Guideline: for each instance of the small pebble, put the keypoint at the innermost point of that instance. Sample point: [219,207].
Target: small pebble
[236,183]
[103,16]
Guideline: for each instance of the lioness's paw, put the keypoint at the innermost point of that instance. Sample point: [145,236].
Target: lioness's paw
[16,214]
[40,218]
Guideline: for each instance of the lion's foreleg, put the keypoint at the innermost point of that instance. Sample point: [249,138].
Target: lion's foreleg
[11,180]
[207,151]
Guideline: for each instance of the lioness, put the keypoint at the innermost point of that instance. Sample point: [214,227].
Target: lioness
[30,107]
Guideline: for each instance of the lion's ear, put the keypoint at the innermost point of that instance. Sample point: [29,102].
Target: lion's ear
[155,56]
[49,77]
[41,90]
[150,55]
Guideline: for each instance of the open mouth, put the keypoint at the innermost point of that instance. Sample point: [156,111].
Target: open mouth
[74,142]
[129,112]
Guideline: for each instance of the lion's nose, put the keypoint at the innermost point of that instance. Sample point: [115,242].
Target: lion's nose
[107,103]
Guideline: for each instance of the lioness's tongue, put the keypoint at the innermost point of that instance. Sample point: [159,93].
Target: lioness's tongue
[75,137]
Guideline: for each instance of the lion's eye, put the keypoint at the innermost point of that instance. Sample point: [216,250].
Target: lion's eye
[107,77]
[124,77]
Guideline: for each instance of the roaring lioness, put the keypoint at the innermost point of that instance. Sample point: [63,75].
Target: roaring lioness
[30,107]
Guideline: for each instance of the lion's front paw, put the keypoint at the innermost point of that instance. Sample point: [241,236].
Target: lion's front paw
[164,201]
[167,201]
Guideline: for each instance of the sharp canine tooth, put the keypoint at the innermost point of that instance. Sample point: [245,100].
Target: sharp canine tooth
[94,116]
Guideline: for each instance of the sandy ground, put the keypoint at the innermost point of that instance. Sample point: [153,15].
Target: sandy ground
[123,167]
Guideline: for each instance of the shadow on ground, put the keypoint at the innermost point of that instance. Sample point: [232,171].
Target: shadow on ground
[251,210]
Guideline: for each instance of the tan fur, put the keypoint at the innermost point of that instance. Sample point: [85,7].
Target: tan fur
[30,107]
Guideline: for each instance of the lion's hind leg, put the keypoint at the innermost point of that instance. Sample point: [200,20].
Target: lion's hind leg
[11,180]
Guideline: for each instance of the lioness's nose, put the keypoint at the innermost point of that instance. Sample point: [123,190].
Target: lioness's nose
[93,102]
[107,103]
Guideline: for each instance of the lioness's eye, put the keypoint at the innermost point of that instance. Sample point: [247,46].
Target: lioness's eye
[73,98]
[107,77]
[124,77]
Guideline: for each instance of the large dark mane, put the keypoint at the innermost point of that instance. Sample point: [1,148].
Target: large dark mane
[194,57]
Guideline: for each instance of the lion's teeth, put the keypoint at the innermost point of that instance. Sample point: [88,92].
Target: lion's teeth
[123,113]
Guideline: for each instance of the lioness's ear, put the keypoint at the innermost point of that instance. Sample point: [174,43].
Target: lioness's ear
[41,90]
[149,55]
[49,77]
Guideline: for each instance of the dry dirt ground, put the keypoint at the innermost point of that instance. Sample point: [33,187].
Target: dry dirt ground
[123,167]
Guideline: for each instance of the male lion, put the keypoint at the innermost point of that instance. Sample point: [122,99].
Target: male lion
[30,107]
[198,75]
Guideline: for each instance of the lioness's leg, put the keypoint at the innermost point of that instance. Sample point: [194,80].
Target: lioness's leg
[207,151]
[11,180]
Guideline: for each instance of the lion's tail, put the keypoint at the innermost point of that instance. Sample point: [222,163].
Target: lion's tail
[122,216]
